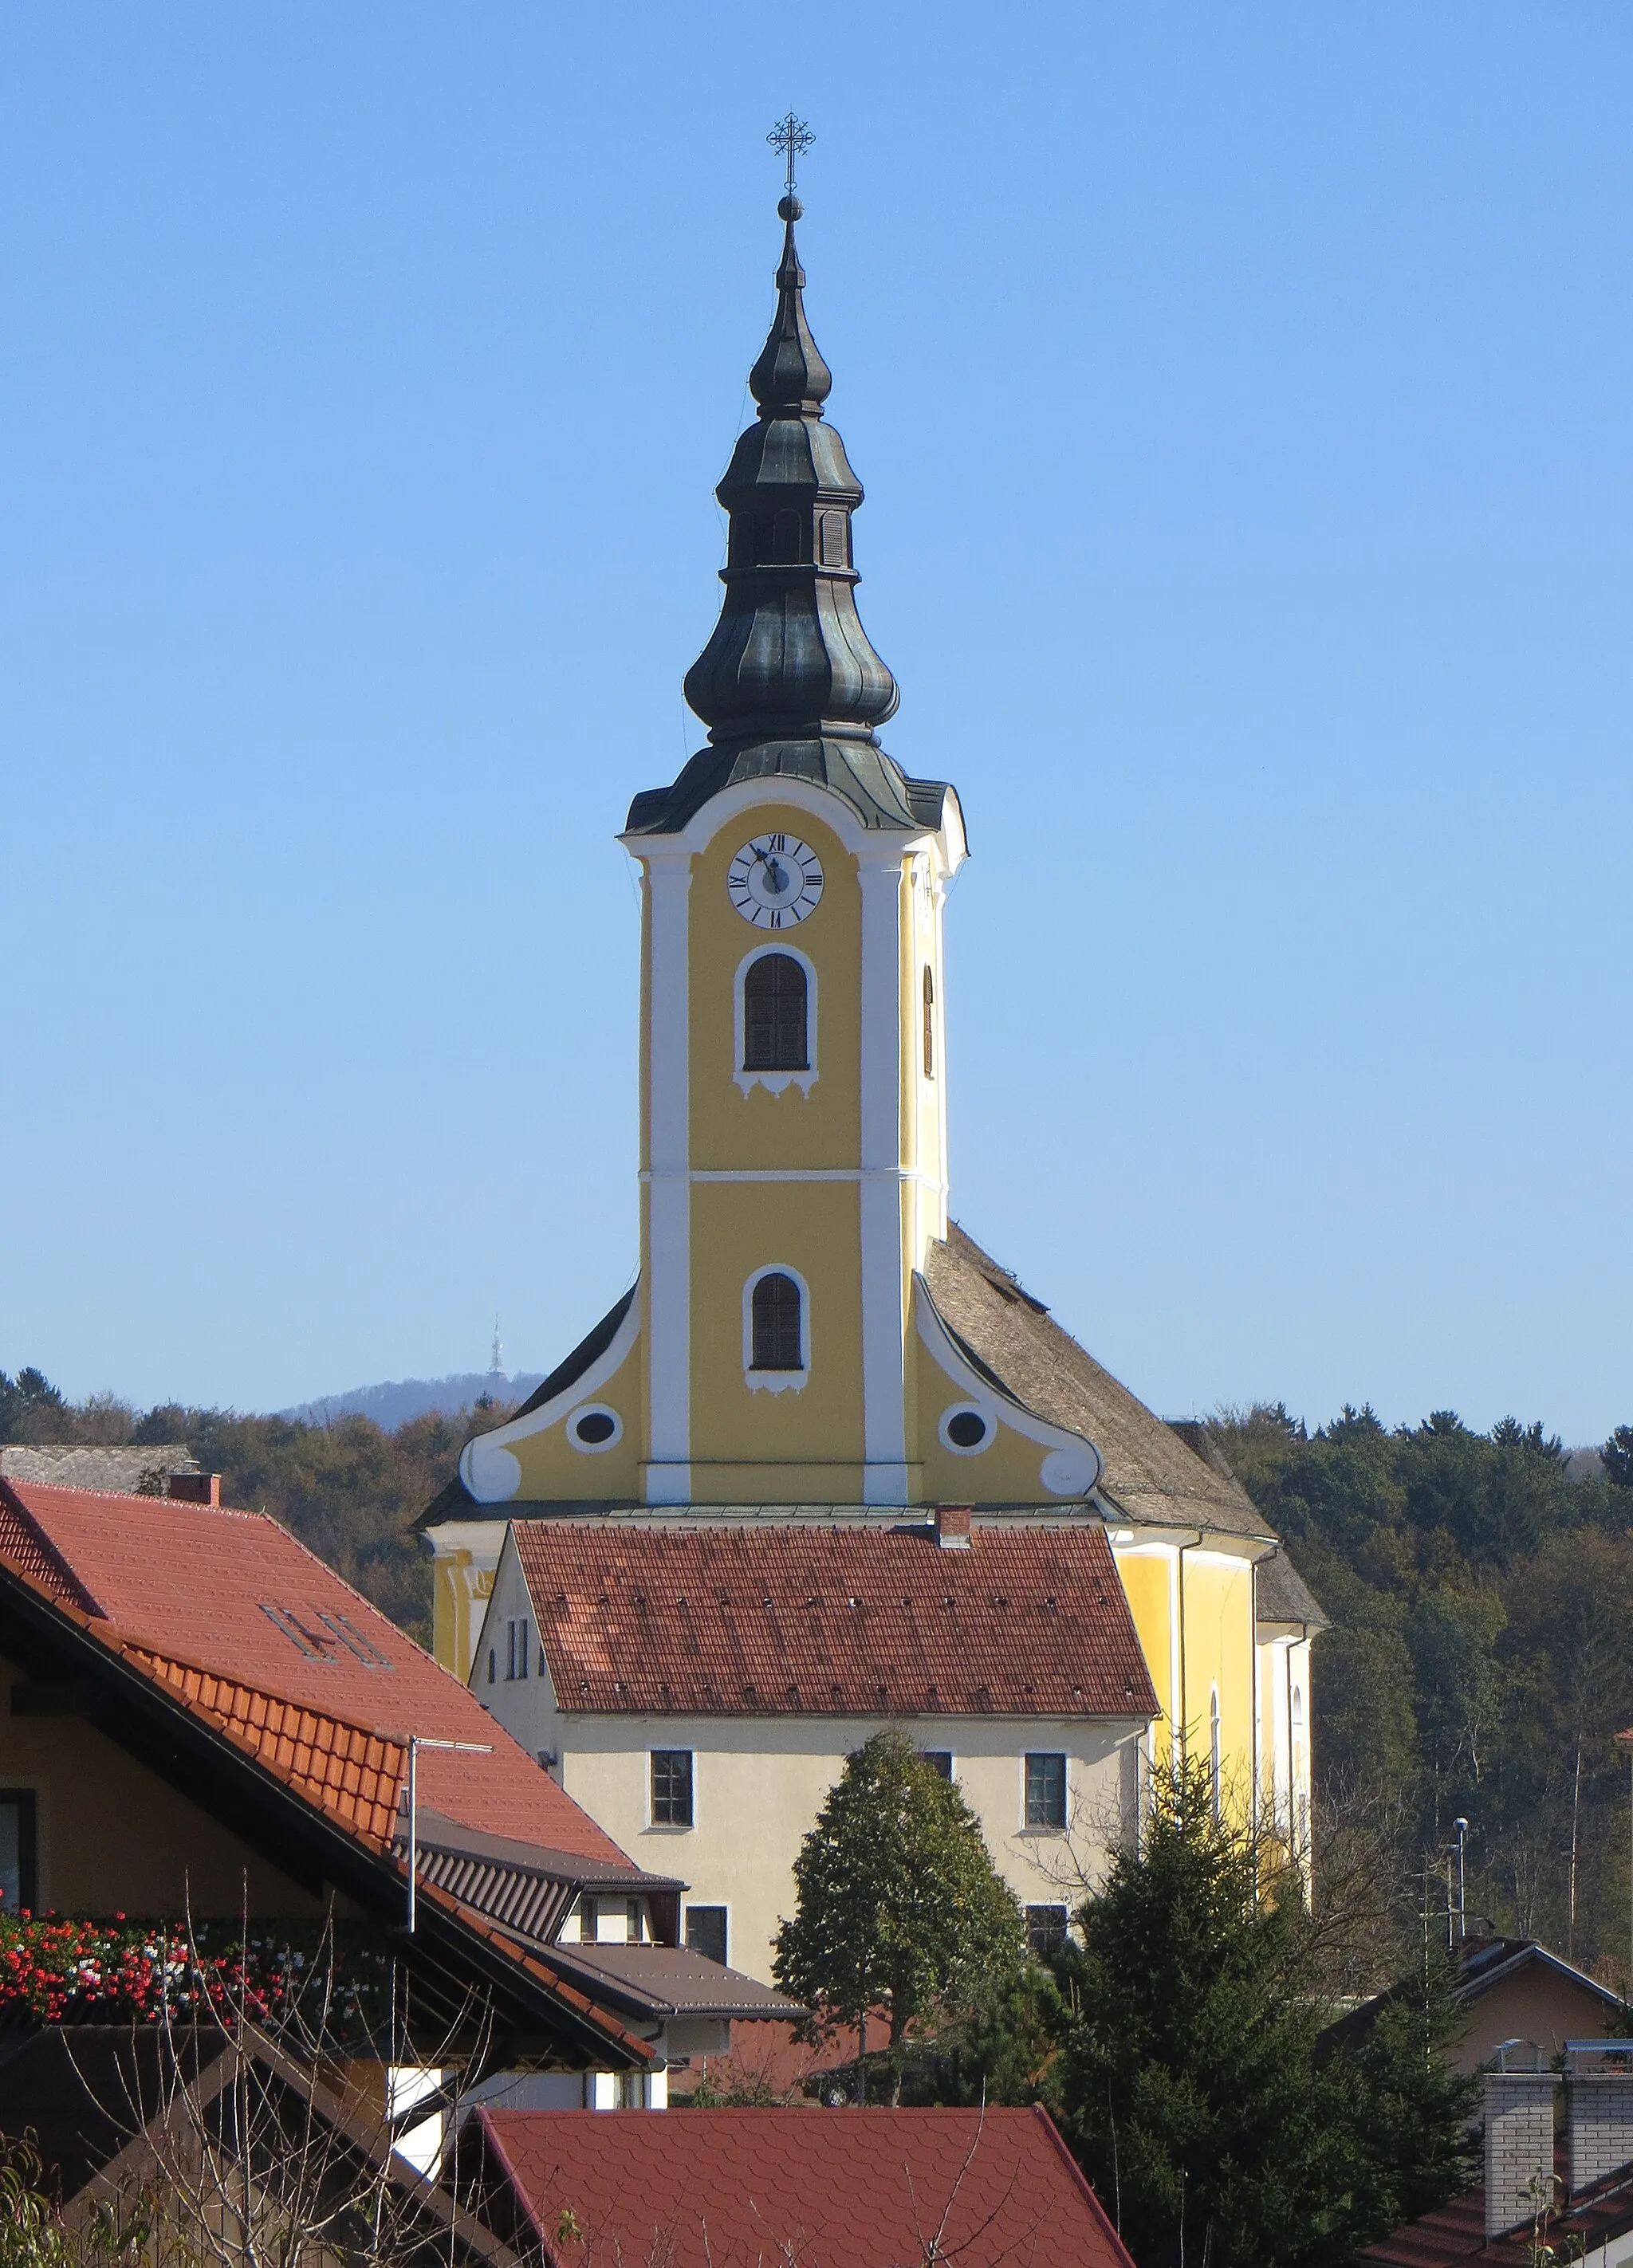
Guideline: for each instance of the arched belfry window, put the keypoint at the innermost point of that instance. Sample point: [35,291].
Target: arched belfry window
[929,1022]
[778,1324]
[775,1029]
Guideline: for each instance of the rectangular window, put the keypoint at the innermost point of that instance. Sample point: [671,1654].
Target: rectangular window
[939,1760]
[516,1647]
[1046,1930]
[19,1888]
[705,1932]
[1046,1791]
[671,1787]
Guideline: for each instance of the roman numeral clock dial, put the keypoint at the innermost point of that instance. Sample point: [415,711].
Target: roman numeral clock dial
[775,881]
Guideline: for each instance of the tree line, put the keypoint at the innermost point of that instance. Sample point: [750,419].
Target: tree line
[348,1489]
[1481,1590]
[1479,1587]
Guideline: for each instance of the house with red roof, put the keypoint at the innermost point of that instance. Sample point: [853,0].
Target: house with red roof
[696,1684]
[201,1720]
[734,2189]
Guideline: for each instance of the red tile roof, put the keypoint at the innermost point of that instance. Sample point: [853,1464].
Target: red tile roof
[869,2189]
[1458,2230]
[1028,1622]
[253,1631]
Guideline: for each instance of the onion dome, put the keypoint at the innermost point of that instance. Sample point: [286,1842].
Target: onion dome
[789,682]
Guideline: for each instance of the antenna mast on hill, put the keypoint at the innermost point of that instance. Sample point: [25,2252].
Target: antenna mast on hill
[496,1367]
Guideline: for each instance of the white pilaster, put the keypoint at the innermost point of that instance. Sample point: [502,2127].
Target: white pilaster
[884,1424]
[668,1196]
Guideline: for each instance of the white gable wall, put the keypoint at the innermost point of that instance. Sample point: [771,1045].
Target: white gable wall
[758,1782]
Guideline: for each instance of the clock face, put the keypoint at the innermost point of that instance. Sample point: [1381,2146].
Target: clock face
[775,881]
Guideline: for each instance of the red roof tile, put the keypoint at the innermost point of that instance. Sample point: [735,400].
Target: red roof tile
[254,1632]
[358,1775]
[1028,1622]
[863,2189]
[1457,2231]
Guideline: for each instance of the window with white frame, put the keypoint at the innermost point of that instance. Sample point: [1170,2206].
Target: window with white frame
[707,1932]
[671,1787]
[1046,1930]
[1045,1790]
[776,1329]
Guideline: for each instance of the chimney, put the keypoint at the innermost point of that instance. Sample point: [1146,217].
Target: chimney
[1598,2077]
[1519,2137]
[195,1487]
[952,1527]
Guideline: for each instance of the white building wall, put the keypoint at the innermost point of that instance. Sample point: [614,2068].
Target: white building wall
[758,1782]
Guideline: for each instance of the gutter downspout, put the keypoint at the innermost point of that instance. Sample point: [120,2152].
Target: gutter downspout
[1292,1791]
[1253,1690]
[1184,1705]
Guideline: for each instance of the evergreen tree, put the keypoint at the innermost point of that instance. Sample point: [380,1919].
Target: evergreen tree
[1617,1457]
[1187,2089]
[1403,2115]
[899,1902]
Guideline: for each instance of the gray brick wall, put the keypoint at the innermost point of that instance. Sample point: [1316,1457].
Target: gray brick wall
[1601,2126]
[1520,2146]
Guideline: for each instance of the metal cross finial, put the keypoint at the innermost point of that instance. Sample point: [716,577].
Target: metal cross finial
[793,137]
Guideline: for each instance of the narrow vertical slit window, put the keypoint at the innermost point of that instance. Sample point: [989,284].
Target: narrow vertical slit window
[779,1334]
[775,1030]
[929,1022]
[1213,1751]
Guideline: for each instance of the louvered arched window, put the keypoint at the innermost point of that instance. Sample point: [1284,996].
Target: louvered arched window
[779,1324]
[775,1032]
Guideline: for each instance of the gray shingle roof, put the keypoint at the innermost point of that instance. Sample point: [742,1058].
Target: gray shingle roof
[72,1464]
[1150,1473]
[1283,1596]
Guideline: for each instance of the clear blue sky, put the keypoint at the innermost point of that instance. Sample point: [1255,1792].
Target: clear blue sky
[1243,398]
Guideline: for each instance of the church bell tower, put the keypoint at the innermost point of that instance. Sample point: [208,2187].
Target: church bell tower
[779,1346]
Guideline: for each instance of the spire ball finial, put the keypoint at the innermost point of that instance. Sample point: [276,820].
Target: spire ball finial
[791,137]
[790,209]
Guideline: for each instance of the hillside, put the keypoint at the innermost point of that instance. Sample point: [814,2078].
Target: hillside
[1480,1586]
[1478,1667]
[398,1400]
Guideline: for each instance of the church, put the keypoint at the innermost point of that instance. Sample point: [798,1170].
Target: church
[829,1464]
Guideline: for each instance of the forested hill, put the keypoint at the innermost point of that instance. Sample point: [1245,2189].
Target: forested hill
[1480,1662]
[1480,1659]
[350,1489]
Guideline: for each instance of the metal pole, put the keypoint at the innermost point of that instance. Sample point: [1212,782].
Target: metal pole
[413,1838]
[1461,1826]
[416,1742]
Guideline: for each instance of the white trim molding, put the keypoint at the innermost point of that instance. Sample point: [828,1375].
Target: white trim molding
[985,1411]
[608,1440]
[773,1081]
[1073,1465]
[668,1198]
[776,1381]
[489,1472]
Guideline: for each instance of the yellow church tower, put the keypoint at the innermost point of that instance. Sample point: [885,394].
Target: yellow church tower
[807,1336]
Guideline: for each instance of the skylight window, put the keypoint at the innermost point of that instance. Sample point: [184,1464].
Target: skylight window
[304,1640]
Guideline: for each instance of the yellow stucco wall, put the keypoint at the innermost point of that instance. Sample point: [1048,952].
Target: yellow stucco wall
[114,1838]
[729,1128]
